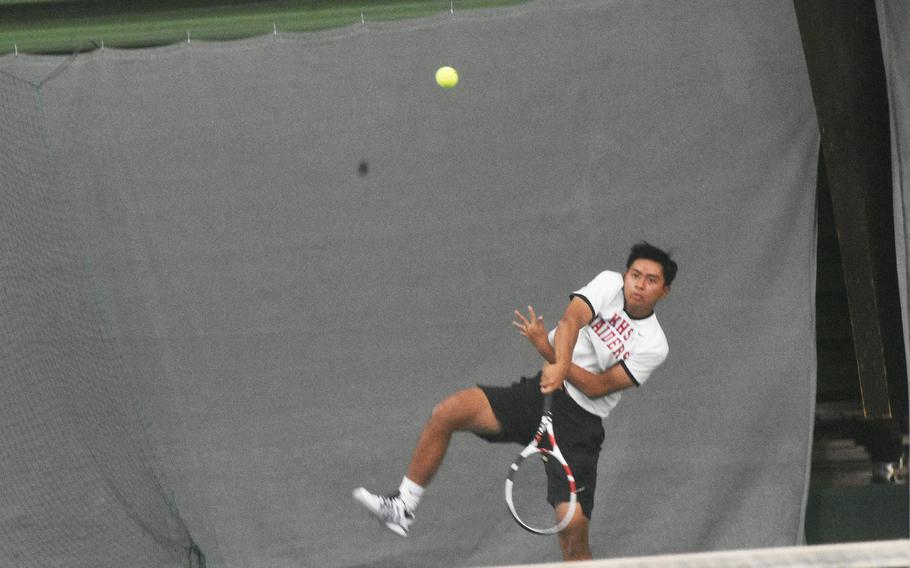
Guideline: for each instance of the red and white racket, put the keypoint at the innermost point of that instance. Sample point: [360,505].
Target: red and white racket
[526,483]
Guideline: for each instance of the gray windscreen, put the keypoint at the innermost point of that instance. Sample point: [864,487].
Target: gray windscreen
[81,485]
[298,244]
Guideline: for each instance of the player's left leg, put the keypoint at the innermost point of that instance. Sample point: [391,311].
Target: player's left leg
[574,538]
[466,410]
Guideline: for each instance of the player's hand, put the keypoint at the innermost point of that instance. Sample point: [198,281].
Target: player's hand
[532,327]
[552,377]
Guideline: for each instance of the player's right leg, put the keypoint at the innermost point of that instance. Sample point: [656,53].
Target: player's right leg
[466,410]
[573,540]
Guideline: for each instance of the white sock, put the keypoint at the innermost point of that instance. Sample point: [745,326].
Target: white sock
[410,493]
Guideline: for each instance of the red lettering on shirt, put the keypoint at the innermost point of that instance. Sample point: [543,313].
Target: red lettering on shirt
[614,333]
[615,345]
[623,327]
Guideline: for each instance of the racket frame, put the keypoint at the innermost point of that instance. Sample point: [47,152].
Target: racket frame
[544,432]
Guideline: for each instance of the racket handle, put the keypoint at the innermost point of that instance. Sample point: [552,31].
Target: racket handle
[548,404]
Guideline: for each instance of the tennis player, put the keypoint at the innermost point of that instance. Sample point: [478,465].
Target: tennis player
[608,340]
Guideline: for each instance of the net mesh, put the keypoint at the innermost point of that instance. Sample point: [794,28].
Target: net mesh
[79,485]
[851,555]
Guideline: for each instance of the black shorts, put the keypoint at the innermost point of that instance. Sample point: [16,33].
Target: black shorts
[579,433]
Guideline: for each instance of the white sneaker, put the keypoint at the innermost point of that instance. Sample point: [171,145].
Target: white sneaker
[389,509]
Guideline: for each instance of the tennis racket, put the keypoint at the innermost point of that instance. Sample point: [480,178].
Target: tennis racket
[526,483]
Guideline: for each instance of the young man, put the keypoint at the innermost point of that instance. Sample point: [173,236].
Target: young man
[608,340]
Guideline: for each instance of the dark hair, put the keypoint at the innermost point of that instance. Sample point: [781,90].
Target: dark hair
[650,252]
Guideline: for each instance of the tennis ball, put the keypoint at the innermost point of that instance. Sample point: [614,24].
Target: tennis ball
[446,77]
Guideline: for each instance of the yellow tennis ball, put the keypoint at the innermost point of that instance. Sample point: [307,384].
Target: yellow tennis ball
[446,77]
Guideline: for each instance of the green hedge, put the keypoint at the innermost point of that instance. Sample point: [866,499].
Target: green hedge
[66,26]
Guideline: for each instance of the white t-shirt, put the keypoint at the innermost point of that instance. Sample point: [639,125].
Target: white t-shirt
[612,337]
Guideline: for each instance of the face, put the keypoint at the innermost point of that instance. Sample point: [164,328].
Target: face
[643,287]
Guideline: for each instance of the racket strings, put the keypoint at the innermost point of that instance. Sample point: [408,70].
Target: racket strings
[538,480]
[531,486]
